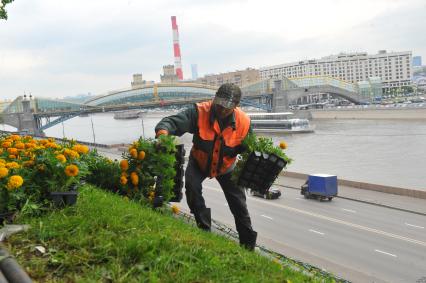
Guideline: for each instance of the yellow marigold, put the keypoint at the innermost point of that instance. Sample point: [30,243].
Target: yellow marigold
[14,182]
[3,172]
[124,165]
[2,160]
[6,144]
[151,194]
[20,145]
[12,151]
[12,165]
[61,158]
[123,180]
[141,155]
[29,145]
[71,170]
[134,178]
[134,153]
[175,209]
[283,145]
[1,150]
[71,153]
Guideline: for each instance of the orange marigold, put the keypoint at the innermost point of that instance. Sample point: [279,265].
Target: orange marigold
[71,170]
[123,180]
[6,144]
[134,153]
[124,165]
[12,151]
[20,145]
[15,137]
[175,209]
[141,155]
[283,145]
[134,178]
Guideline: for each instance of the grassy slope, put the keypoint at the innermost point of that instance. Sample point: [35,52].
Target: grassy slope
[108,239]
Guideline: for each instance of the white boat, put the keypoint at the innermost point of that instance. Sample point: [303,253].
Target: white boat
[279,122]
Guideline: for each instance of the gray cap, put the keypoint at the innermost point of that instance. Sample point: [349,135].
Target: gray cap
[228,95]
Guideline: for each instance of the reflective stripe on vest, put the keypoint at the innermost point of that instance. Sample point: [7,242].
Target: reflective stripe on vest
[212,148]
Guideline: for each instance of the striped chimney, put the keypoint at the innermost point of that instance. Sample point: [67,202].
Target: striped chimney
[176,49]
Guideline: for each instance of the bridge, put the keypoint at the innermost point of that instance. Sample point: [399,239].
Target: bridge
[38,114]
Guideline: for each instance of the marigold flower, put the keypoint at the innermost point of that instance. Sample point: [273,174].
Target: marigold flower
[20,145]
[123,180]
[3,172]
[1,150]
[175,209]
[82,149]
[151,194]
[14,182]
[133,153]
[124,165]
[6,144]
[12,165]
[134,178]
[12,156]
[283,145]
[15,137]
[71,153]
[141,155]
[12,151]
[71,170]
[61,158]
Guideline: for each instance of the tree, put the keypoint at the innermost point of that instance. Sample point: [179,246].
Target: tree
[3,13]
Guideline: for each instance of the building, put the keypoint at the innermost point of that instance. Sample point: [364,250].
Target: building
[417,61]
[4,104]
[138,82]
[393,68]
[240,78]
[169,74]
[194,71]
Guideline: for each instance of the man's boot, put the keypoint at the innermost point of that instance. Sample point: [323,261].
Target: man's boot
[248,239]
[203,218]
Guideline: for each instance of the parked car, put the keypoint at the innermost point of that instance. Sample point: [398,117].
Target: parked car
[272,193]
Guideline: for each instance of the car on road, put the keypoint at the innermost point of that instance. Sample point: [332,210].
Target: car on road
[272,193]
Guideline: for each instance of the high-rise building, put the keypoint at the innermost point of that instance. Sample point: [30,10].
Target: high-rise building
[393,68]
[194,70]
[240,78]
[417,61]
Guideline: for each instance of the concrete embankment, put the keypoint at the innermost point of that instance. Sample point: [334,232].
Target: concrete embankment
[370,113]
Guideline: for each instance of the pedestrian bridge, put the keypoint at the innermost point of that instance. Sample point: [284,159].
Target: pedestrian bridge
[263,94]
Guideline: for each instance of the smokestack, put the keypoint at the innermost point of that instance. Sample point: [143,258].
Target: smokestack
[176,49]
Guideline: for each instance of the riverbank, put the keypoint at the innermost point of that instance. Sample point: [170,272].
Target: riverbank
[370,113]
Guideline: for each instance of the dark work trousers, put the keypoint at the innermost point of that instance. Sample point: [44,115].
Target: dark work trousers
[235,196]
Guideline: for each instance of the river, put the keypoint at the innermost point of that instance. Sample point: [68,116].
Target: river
[386,152]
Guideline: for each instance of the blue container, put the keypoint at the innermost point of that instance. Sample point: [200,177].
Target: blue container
[322,185]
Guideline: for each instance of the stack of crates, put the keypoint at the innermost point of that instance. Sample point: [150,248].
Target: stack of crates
[260,171]
[180,161]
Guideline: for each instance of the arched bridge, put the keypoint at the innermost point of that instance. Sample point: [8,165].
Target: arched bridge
[264,94]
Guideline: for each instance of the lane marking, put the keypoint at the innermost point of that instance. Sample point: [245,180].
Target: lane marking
[382,252]
[349,210]
[412,225]
[318,232]
[267,217]
[335,220]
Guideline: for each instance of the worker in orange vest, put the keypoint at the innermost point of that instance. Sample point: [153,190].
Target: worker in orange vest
[218,129]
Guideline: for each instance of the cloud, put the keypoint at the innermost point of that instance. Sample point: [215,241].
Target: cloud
[61,48]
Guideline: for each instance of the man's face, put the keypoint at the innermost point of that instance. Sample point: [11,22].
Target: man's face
[222,112]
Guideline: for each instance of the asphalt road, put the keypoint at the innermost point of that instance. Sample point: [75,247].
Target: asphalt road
[356,241]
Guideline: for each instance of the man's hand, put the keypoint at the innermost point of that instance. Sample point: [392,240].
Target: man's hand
[161,132]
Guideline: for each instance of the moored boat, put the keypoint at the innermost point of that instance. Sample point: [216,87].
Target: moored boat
[279,122]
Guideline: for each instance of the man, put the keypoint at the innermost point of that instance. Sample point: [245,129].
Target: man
[218,129]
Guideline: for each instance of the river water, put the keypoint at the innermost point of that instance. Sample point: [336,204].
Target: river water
[386,152]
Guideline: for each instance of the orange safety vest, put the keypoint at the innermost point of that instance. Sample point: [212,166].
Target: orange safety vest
[215,150]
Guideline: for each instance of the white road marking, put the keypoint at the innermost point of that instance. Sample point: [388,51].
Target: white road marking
[335,220]
[349,210]
[382,252]
[318,232]
[267,217]
[412,225]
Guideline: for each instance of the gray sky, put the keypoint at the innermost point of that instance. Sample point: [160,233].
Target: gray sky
[57,48]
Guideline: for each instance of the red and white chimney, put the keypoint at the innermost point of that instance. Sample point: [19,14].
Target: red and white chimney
[176,49]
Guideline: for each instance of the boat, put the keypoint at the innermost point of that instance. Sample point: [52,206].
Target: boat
[279,122]
[128,114]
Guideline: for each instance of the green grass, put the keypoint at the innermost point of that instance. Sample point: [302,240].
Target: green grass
[105,238]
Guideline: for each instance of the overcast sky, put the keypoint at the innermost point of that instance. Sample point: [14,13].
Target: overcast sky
[57,48]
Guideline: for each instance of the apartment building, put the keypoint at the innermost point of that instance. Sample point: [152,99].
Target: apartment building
[393,68]
[240,78]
